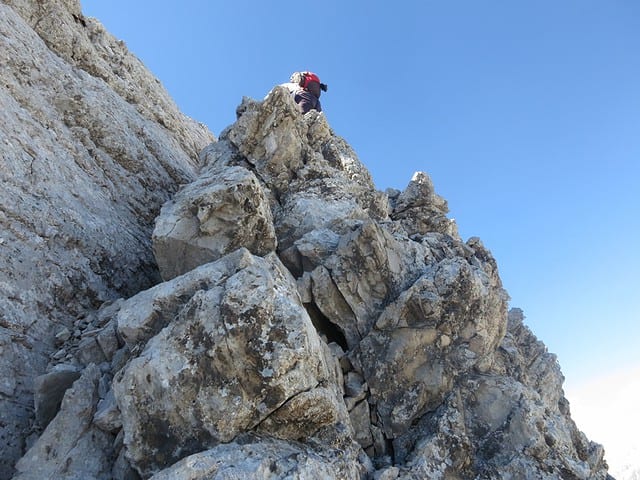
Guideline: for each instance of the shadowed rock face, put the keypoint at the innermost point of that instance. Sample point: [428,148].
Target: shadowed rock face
[309,326]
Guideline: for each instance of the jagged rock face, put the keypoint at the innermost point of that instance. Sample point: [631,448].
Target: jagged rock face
[434,384]
[240,354]
[213,216]
[82,42]
[507,423]
[309,325]
[420,210]
[91,146]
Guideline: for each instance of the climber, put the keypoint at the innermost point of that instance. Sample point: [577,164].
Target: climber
[307,91]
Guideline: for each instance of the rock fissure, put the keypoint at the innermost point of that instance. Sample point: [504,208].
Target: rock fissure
[325,327]
[285,404]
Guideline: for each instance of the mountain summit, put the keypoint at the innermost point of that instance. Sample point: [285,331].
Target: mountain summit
[180,307]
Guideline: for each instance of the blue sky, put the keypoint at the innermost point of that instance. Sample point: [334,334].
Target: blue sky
[526,115]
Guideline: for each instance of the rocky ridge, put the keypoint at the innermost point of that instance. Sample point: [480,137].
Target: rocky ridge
[305,325]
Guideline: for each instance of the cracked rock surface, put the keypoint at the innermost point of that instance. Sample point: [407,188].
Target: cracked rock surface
[277,318]
[90,147]
[240,354]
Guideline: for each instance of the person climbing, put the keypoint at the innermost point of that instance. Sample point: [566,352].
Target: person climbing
[308,91]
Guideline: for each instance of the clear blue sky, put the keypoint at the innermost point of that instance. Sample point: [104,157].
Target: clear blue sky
[525,114]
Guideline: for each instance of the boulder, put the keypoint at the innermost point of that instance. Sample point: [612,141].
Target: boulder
[49,389]
[238,353]
[255,458]
[144,315]
[448,322]
[71,447]
[211,217]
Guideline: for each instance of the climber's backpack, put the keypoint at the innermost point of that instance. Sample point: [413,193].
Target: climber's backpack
[303,78]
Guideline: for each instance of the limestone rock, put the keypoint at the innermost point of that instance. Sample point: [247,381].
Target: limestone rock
[240,353]
[89,351]
[309,326]
[421,314]
[255,458]
[315,177]
[525,358]
[449,321]
[304,414]
[122,470]
[369,268]
[500,426]
[108,341]
[49,389]
[71,447]
[144,315]
[435,385]
[91,147]
[388,473]
[211,217]
[107,416]
[420,210]
[83,43]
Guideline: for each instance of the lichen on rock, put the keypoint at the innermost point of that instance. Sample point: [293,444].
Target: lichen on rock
[278,317]
[91,146]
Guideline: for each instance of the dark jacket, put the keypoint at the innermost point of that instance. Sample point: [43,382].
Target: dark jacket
[308,98]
